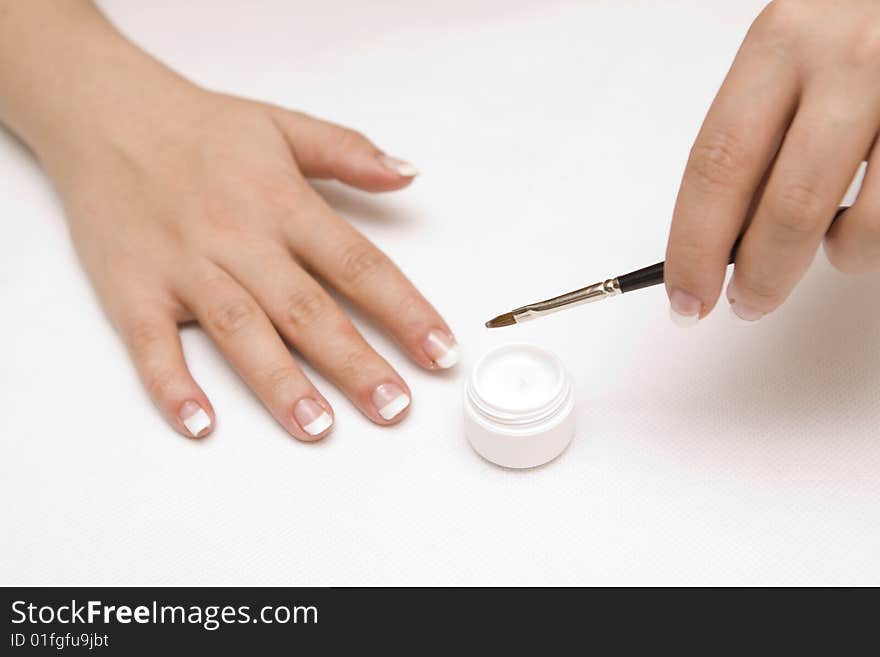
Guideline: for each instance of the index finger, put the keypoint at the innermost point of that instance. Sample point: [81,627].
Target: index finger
[733,150]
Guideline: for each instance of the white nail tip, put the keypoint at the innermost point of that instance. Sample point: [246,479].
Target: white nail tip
[400,167]
[197,422]
[319,425]
[393,408]
[449,359]
[683,321]
[741,320]
[407,170]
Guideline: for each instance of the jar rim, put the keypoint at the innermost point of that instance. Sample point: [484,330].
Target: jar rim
[497,413]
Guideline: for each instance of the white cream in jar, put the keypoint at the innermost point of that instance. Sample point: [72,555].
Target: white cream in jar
[519,405]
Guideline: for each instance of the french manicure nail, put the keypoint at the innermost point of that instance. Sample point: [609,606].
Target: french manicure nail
[738,310]
[441,348]
[390,400]
[743,314]
[684,308]
[311,416]
[194,418]
[398,166]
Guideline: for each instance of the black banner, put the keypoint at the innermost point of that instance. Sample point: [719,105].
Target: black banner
[134,621]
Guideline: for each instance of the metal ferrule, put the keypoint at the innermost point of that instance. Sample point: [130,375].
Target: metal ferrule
[589,294]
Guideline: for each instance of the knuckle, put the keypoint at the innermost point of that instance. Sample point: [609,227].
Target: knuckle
[410,307]
[865,46]
[689,252]
[216,215]
[279,376]
[410,316]
[692,263]
[718,159]
[353,365]
[306,307]
[798,211]
[231,317]
[274,190]
[781,18]
[160,384]
[142,336]
[348,139]
[360,260]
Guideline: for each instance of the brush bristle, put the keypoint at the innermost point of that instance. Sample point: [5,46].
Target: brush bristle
[507,319]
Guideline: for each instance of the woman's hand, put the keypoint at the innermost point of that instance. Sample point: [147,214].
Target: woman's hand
[207,215]
[796,116]
[189,205]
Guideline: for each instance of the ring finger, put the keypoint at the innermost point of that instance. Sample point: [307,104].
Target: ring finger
[819,157]
[250,343]
[853,243]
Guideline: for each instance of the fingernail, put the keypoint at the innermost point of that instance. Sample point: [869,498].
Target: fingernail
[390,400]
[740,319]
[441,348]
[684,308]
[194,418]
[311,416]
[740,311]
[398,166]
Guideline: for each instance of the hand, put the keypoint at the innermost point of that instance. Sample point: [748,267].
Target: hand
[798,113]
[197,208]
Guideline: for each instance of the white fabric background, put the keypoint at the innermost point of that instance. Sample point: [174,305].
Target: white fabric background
[551,136]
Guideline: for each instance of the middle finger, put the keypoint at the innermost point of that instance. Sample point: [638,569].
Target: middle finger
[334,249]
[314,324]
[821,153]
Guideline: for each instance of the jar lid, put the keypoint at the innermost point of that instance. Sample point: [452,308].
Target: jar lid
[519,406]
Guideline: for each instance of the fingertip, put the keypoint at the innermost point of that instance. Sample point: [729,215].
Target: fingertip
[739,308]
[376,172]
[399,168]
[685,309]
[694,272]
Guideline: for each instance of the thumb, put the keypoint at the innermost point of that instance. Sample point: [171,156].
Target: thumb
[327,150]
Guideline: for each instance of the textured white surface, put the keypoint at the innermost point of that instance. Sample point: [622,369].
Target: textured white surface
[551,136]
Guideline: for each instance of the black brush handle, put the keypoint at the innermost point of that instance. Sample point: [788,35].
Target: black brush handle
[646,277]
[653,275]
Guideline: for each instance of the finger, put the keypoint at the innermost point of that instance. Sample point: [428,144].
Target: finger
[327,150]
[727,163]
[853,242]
[822,151]
[152,338]
[319,330]
[249,342]
[336,251]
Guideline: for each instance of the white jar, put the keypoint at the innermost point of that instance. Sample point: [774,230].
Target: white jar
[518,406]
